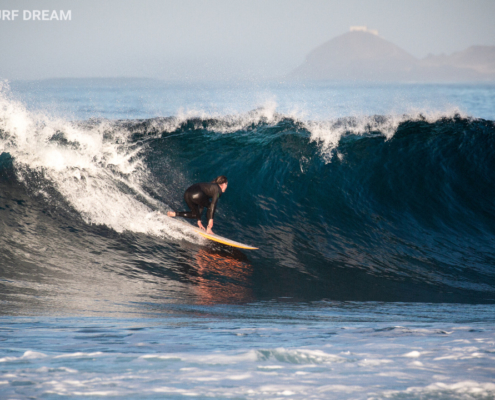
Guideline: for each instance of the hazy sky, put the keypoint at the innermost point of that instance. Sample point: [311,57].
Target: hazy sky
[221,39]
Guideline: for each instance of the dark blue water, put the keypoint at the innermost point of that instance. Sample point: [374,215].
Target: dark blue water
[361,200]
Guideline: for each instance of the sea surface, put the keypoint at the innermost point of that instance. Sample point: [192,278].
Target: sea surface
[373,207]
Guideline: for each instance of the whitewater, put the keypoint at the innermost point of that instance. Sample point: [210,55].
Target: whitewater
[372,207]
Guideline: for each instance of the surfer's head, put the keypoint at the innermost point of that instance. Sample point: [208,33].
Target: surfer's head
[222,182]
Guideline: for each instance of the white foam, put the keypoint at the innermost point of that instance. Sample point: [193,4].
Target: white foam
[230,123]
[285,390]
[376,365]
[166,389]
[329,133]
[462,387]
[374,362]
[301,356]
[32,354]
[416,364]
[206,379]
[340,388]
[89,173]
[211,359]
[79,354]
[7,359]
[97,393]
[160,357]
[413,354]
[29,354]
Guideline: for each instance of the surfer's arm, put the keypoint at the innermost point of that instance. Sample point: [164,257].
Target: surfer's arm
[212,207]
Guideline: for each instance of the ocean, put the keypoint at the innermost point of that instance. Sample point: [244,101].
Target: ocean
[373,207]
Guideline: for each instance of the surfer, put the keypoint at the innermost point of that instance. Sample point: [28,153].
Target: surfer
[198,197]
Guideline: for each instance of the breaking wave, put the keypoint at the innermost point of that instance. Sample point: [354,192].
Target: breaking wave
[370,208]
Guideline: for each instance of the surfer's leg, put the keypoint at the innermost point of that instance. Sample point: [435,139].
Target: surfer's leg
[195,213]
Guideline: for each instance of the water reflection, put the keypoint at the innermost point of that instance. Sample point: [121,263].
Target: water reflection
[223,277]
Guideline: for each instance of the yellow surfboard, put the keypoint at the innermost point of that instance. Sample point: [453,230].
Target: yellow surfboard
[216,238]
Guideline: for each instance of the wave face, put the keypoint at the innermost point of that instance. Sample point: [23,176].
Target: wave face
[378,208]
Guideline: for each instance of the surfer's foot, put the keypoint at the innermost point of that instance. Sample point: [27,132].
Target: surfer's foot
[171,213]
[209,231]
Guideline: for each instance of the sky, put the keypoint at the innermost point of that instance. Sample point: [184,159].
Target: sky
[192,40]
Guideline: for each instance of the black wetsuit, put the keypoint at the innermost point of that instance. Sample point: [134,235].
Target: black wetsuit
[198,197]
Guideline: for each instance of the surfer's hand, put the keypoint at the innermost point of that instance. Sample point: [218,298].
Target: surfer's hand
[210,225]
[201,225]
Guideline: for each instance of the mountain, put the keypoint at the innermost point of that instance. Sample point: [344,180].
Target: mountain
[364,56]
[356,55]
[478,59]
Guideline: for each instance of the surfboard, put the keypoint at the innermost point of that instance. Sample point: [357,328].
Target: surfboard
[215,238]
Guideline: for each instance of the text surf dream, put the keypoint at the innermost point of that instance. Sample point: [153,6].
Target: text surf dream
[35,15]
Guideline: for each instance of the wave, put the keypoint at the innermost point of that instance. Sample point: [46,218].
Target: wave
[353,204]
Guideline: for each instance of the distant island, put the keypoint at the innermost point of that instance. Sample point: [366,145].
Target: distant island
[362,55]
